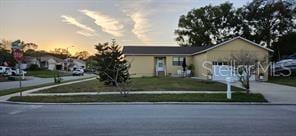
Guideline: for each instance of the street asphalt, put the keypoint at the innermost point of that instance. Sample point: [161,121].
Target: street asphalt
[147,120]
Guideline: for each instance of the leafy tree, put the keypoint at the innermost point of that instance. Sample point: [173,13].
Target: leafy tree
[6,55]
[208,25]
[262,21]
[82,55]
[25,46]
[5,44]
[91,63]
[269,20]
[285,46]
[112,67]
[60,53]
[35,53]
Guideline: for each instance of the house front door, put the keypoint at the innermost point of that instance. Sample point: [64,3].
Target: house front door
[160,65]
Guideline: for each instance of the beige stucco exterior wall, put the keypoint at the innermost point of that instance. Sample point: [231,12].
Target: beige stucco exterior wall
[172,70]
[198,61]
[141,65]
[224,52]
[145,65]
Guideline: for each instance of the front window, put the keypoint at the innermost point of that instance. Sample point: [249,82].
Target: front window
[178,60]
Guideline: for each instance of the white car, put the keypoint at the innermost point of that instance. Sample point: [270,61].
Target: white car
[18,72]
[2,69]
[7,71]
[284,66]
[78,72]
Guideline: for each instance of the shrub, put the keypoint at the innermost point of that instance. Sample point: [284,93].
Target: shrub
[33,67]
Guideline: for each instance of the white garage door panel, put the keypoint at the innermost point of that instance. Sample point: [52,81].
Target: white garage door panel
[220,72]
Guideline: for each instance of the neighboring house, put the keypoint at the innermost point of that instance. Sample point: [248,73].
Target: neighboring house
[51,63]
[72,64]
[152,60]
[28,61]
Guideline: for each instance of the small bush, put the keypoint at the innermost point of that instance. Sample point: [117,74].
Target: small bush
[33,67]
[12,78]
[57,78]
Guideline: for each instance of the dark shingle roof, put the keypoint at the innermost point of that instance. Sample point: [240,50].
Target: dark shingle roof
[161,50]
[175,50]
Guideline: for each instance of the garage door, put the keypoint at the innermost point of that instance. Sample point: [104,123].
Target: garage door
[220,72]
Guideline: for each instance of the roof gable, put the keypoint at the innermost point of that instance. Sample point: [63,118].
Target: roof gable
[233,39]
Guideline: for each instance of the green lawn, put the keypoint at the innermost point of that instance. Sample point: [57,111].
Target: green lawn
[290,81]
[145,84]
[46,73]
[237,97]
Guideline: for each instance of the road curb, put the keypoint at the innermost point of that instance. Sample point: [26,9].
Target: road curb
[149,103]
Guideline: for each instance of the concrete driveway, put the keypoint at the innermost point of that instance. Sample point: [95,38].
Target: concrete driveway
[274,93]
[33,81]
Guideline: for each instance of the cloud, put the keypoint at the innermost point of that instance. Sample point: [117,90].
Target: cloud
[141,26]
[73,21]
[108,24]
[84,33]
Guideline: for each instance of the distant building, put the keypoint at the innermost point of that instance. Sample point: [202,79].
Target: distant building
[28,61]
[51,63]
[72,64]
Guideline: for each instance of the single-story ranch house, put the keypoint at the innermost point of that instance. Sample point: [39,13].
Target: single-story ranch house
[167,60]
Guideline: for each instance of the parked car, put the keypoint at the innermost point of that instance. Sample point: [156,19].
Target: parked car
[285,66]
[17,72]
[2,69]
[6,71]
[78,72]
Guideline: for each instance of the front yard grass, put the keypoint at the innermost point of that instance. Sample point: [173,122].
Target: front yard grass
[290,81]
[46,73]
[145,84]
[237,97]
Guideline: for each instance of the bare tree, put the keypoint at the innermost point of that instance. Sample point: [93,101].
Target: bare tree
[246,64]
[121,86]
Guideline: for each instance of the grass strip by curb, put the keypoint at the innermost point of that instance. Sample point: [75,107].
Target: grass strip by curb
[289,81]
[16,90]
[237,97]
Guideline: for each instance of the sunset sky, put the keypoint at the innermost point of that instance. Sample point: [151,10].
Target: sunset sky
[83,23]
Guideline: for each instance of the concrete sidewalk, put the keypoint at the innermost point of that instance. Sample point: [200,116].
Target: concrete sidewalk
[33,81]
[25,93]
